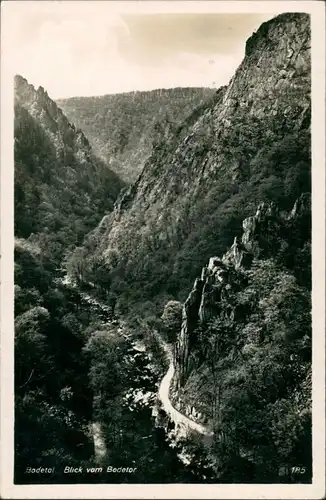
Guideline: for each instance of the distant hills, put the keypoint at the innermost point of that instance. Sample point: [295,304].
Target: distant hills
[122,128]
[237,167]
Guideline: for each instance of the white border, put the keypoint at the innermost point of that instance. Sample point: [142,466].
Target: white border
[229,491]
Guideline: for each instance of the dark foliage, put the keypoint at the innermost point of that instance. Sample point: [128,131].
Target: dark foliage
[249,365]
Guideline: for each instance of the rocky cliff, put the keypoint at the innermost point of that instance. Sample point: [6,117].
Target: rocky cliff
[251,144]
[214,295]
[243,353]
[51,118]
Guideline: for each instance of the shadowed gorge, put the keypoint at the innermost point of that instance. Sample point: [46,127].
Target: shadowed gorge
[163,321]
[251,145]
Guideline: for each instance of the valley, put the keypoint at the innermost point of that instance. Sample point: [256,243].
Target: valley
[123,128]
[163,276]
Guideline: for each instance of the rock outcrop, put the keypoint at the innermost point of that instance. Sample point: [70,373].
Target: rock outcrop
[189,323]
[243,354]
[250,144]
[211,295]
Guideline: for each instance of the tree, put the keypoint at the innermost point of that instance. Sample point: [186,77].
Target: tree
[172,319]
[104,350]
[31,354]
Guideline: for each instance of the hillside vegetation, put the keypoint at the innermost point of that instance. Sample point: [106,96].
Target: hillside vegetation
[188,204]
[122,128]
[242,347]
[61,189]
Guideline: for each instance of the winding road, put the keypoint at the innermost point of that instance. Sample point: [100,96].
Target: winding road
[178,418]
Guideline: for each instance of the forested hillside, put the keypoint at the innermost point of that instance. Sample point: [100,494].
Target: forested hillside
[123,128]
[242,341]
[61,190]
[252,145]
[72,364]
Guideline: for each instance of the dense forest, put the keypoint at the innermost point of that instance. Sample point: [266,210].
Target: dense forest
[60,190]
[204,261]
[197,187]
[123,128]
[71,364]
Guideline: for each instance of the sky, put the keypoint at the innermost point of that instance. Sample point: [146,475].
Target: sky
[96,48]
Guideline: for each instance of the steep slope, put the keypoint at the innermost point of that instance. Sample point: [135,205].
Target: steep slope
[243,353]
[252,145]
[122,128]
[61,188]
[242,348]
[60,192]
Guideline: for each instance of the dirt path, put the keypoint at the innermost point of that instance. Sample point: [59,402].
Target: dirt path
[177,417]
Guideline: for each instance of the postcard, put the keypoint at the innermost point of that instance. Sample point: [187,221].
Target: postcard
[163,249]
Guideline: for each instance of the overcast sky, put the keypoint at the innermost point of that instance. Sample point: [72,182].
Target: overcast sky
[96,48]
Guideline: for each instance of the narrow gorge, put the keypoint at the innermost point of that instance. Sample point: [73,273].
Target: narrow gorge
[163,276]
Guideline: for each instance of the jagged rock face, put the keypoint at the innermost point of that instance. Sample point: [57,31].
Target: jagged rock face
[51,118]
[302,207]
[249,369]
[210,296]
[251,144]
[278,51]
[253,226]
[203,303]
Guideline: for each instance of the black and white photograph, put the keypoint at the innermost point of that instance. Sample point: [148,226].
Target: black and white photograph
[166,321]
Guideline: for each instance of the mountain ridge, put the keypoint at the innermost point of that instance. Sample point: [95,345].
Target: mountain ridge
[56,173]
[251,145]
[123,127]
